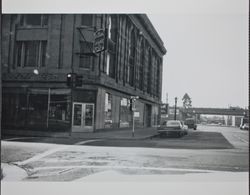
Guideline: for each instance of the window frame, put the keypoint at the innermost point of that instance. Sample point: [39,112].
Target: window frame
[89,59]
[40,54]
[149,73]
[110,68]
[140,66]
[131,57]
[90,24]
[44,20]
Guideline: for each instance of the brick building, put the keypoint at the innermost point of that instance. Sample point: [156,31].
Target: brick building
[42,53]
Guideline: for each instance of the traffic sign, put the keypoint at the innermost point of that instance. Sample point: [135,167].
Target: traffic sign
[136,114]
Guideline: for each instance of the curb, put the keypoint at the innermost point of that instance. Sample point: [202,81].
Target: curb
[119,138]
[75,135]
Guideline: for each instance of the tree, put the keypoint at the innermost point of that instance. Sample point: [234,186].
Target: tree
[187,102]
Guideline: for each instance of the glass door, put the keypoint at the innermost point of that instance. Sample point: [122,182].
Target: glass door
[88,116]
[83,117]
[77,116]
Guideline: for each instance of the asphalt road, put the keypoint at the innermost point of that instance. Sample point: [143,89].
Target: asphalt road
[194,140]
[209,149]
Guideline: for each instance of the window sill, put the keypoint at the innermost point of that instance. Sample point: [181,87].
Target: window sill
[31,27]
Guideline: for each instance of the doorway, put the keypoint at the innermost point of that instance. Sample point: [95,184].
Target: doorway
[148,115]
[82,117]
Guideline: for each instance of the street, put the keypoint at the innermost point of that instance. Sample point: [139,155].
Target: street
[210,149]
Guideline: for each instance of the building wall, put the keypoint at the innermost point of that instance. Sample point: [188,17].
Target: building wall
[63,37]
[63,43]
[100,114]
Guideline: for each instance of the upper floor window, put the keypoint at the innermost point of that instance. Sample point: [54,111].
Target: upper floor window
[111,55]
[154,69]
[85,58]
[140,68]
[112,27]
[87,20]
[158,78]
[110,67]
[30,53]
[40,20]
[149,72]
[107,65]
[131,54]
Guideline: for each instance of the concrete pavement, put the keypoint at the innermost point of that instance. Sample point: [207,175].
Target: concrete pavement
[12,172]
[115,135]
[139,133]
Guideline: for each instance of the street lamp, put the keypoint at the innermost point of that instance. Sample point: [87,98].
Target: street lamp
[133,108]
[175,108]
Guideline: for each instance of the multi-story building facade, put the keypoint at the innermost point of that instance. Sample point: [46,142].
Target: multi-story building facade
[42,53]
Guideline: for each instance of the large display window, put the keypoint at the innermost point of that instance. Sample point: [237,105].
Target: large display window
[155,115]
[59,109]
[36,109]
[139,119]
[108,111]
[125,113]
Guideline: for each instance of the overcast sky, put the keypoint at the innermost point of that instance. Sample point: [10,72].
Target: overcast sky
[206,41]
[207,57]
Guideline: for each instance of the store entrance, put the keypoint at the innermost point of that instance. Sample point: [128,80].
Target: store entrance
[82,117]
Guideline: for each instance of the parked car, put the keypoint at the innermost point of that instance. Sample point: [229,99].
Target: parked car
[190,122]
[245,126]
[172,127]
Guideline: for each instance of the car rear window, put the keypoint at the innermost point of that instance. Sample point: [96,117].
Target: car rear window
[173,123]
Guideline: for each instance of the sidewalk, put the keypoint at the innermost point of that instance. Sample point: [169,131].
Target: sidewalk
[142,133]
[12,173]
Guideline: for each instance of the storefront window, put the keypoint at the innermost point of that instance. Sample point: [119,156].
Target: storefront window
[14,107]
[38,106]
[108,111]
[36,109]
[139,119]
[125,113]
[155,115]
[59,108]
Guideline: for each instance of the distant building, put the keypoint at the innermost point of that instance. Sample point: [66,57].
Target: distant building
[53,81]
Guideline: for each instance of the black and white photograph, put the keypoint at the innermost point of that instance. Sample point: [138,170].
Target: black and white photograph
[125,98]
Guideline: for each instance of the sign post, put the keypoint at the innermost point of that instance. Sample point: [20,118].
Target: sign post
[133,99]
[133,129]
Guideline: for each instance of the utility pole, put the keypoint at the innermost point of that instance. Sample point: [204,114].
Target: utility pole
[175,108]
